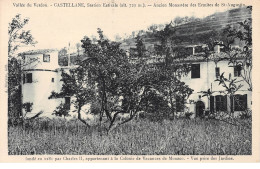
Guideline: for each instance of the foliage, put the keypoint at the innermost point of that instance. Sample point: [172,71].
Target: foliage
[95,107]
[246,114]
[140,47]
[188,115]
[183,20]
[155,106]
[16,38]
[27,106]
[14,89]
[107,78]
[241,33]
[63,59]
[167,76]
[61,110]
[229,84]
[116,80]
[76,84]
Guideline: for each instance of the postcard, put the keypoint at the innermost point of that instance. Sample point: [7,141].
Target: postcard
[116,81]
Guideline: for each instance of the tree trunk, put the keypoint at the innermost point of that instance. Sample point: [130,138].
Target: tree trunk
[172,105]
[79,116]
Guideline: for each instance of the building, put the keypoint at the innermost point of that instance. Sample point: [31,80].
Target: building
[41,76]
[203,78]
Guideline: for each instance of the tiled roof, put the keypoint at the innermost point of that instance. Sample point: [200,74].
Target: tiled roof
[38,51]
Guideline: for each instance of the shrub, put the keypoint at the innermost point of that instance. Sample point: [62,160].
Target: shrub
[61,110]
[95,108]
[188,115]
[246,114]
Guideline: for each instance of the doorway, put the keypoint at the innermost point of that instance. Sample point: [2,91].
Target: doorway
[200,106]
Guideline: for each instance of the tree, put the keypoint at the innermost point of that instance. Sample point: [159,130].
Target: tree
[166,81]
[170,72]
[242,60]
[230,85]
[61,110]
[178,20]
[117,80]
[240,33]
[153,28]
[17,38]
[76,84]
[62,57]
[140,47]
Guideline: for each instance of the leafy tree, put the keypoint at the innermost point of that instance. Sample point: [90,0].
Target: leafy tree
[242,60]
[118,88]
[170,85]
[62,57]
[178,20]
[77,85]
[140,46]
[61,110]
[153,28]
[170,72]
[17,38]
[240,33]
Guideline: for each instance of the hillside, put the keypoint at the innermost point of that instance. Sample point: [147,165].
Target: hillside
[195,32]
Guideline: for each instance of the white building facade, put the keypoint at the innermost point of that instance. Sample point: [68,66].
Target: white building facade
[202,78]
[41,76]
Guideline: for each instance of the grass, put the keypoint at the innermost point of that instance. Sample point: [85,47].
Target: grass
[139,137]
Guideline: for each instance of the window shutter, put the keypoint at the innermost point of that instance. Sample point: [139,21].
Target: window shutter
[24,78]
[29,77]
[211,103]
[225,103]
[245,101]
[232,103]
[217,102]
[236,102]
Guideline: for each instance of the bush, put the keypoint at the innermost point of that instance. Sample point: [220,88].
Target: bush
[61,110]
[95,108]
[188,115]
[246,114]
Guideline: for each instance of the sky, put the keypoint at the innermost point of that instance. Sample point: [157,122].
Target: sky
[56,27]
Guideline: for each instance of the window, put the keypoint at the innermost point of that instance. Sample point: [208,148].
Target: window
[237,71]
[46,58]
[240,102]
[217,72]
[189,51]
[27,78]
[52,80]
[198,49]
[67,103]
[195,71]
[179,104]
[221,103]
